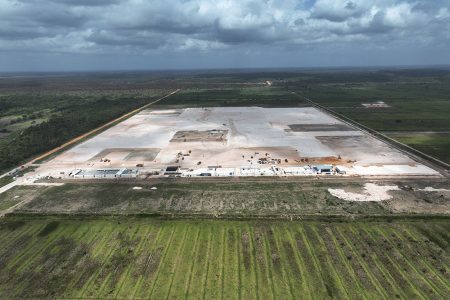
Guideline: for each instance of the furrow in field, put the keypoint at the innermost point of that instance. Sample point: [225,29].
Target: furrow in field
[317,285]
[390,264]
[192,262]
[387,272]
[48,242]
[421,281]
[289,265]
[329,274]
[91,288]
[31,247]
[86,265]
[235,255]
[252,262]
[444,231]
[207,271]
[160,263]
[17,244]
[146,263]
[124,287]
[93,263]
[179,267]
[96,253]
[119,261]
[433,236]
[364,265]
[70,253]
[143,258]
[280,283]
[198,261]
[303,274]
[261,267]
[341,263]
[99,248]
[40,262]
[222,270]
[214,277]
[11,236]
[435,267]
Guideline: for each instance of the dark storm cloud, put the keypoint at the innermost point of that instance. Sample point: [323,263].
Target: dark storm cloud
[30,15]
[240,36]
[338,11]
[236,36]
[162,24]
[58,18]
[124,38]
[20,34]
[121,27]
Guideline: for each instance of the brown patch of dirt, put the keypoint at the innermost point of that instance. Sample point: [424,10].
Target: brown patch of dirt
[419,202]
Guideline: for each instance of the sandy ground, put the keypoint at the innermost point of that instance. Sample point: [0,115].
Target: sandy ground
[372,192]
[251,133]
[432,189]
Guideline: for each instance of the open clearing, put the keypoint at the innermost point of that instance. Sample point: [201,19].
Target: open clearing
[145,258]
[234,139]
[218,197]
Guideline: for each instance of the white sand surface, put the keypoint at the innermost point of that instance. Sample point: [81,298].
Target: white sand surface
[251,132]
[372,192]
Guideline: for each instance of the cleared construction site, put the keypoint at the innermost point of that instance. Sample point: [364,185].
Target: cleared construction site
[232,141]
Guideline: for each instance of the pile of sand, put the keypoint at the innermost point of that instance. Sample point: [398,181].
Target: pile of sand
[372,192]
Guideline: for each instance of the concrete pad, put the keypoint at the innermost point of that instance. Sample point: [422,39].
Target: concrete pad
[233,137]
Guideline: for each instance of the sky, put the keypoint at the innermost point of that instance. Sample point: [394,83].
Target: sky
[75,35]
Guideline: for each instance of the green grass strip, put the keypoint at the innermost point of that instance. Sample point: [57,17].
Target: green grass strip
[396,267]
[414,271]
[368,270]
[88,287]
[188,282]
[153,246]
[177,261]
[305,276]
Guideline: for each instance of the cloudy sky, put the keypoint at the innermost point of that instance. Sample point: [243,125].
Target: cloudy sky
[40,35]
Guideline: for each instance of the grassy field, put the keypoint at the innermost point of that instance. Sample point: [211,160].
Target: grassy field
[436,145]
[418,101]
[411,107]
[16,195]
[5,180]
[149,258]
[235,96]
[225,198]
